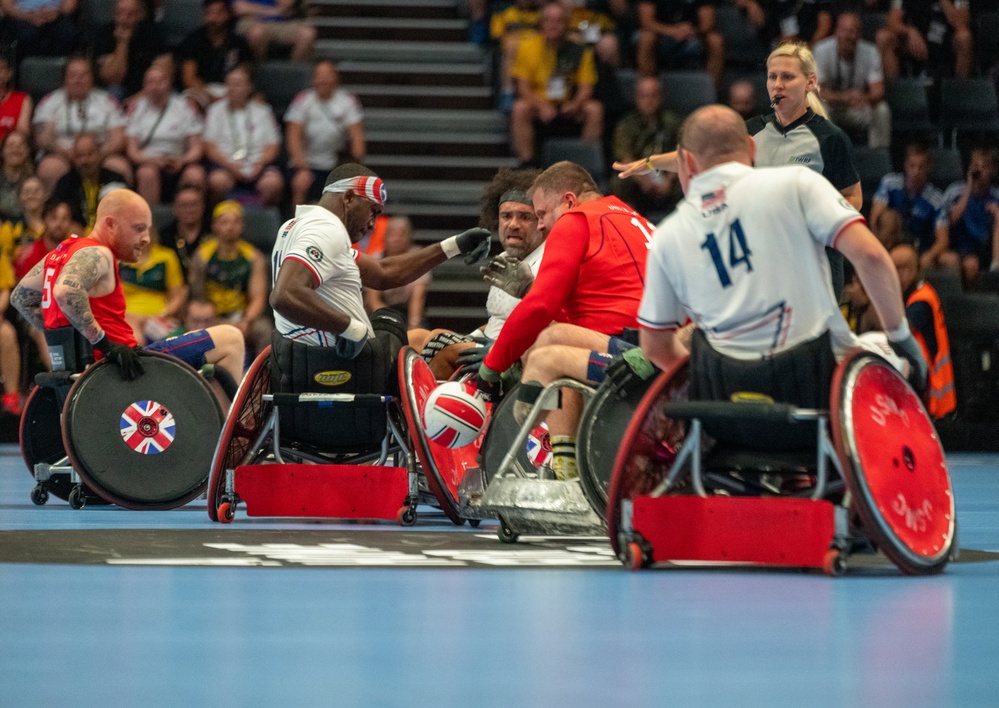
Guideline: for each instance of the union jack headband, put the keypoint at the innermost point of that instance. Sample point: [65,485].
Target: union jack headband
[368,187]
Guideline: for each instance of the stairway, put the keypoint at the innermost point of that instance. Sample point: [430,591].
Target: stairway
[432,131]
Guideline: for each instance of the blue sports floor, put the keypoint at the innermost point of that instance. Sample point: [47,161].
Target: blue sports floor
[124,633]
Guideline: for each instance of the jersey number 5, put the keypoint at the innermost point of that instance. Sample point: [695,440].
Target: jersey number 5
[738,252]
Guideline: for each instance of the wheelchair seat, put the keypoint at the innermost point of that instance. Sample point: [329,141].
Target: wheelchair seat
[300,368]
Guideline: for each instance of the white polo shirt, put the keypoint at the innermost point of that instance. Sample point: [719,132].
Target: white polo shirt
[324,124]
[499,304]
[319,240]
[743,256]
[163,132]
[97,113]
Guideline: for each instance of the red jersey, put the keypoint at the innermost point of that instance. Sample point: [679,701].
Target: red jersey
[592,275]
[10,111]
[29,257]
[109,310]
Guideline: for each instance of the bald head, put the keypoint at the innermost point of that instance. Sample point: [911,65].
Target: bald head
[716,134]
[123,224]
[121,200]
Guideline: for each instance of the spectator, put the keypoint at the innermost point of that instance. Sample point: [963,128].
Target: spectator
[407,299]
[905,206]
[210,52]
[507,28]
[926,320]
[318,124]
[969,212]
[242,142]
[555,80]
[126,47]
[21,232]
[856,305]
[84,185]
[199,314]
[163,139]
[15,167]
[788,21]
[852,84]
[42,27]
[155,293]
[648,130]
[742,98]
[189,228]
[931,37]
[267,22]
[679,35]
[594,28]
[78,108]
[232,274]
[15,106]
[58,220]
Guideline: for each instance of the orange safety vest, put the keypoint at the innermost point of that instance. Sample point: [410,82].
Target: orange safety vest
[942,399]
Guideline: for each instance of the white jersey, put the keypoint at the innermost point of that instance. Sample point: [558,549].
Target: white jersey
[743,256]
[98,113]
[319,240]
[244,133]
[163,132]
[324,124]
[499,304]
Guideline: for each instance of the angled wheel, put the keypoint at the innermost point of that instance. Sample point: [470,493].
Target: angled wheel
[500,435]
[648,447]
[246,418]
[143,444]
[894,465]
[601,428]
[443,467]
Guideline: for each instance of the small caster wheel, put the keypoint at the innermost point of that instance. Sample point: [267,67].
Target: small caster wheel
[506,534]
[459,522]
[634,557]
[77,497]
[406,516]
[39,495]
[226,512]
[474,523]
[834,563]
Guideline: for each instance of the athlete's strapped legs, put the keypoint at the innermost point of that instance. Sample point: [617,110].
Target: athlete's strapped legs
[221,345]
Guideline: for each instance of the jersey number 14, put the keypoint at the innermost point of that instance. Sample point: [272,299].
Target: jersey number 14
[738,252]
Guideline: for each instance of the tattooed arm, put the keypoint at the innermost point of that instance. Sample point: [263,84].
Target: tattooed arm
[27,296]
[89,273]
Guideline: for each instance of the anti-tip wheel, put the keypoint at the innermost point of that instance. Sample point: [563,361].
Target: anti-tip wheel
[506,534]
[634,557]
[226,512]
[77,497]
[39,495]
[406,516]
[834,563]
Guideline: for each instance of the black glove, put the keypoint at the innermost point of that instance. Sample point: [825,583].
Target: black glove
[469,359]
[126,357]
[628,371]
[488,383]
[474,244]
[909,349]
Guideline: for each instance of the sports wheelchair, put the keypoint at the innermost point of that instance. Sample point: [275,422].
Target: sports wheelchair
[89,437]
[310,434]
[711,469]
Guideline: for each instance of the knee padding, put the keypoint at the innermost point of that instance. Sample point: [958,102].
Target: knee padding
[390,321]
[801,376]
[301,368]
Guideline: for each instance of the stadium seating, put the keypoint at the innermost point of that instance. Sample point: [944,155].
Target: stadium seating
[686,91]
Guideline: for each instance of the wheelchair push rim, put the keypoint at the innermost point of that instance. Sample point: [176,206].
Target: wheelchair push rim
[893,463]
[247,415]
[444,468]
[143,444]
[648,447]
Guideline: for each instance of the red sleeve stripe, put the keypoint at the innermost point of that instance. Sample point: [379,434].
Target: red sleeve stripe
[847,225]
[307,265]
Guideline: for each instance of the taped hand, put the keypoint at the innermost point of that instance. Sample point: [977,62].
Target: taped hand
[509,274]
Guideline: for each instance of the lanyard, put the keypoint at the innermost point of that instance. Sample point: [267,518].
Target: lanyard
[152,131]
[81,111]
[849,82]
[240,153]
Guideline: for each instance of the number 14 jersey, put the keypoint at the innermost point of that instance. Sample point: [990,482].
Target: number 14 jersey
[743,256]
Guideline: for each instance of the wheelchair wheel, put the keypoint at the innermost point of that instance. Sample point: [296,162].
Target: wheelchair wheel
[647,448]
[601,429]
[247,416]
[143,444]
[443,467]
[893,463]
[502,431]
[41,438]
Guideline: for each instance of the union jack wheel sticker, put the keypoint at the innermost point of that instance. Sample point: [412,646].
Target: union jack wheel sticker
[147,427]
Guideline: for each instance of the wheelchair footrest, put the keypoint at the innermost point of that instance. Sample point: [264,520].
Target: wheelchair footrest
[777,531]
[324,491]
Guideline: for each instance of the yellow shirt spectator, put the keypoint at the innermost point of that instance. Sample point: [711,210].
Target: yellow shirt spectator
[227,281]
[552,75]
[147,284]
